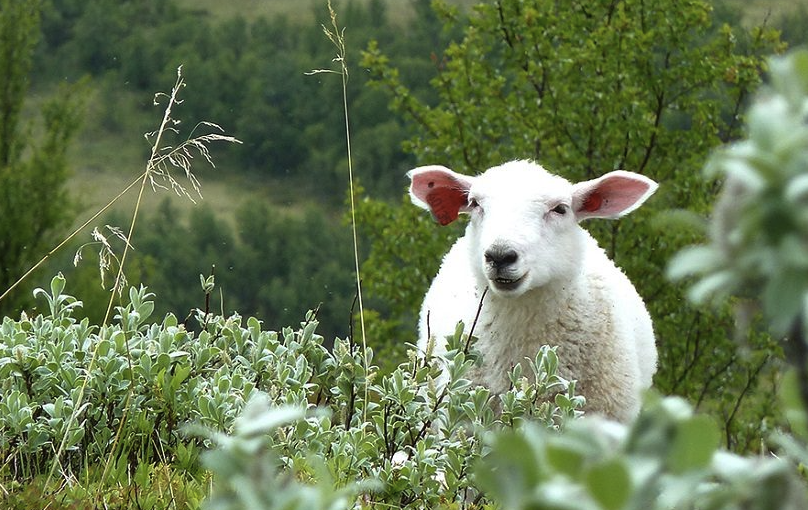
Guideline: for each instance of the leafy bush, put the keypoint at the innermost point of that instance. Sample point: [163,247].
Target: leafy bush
[755,253]
[119,395]
[666,459]
[756,247]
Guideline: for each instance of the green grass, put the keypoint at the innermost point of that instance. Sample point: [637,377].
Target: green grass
[251,9]
[224,192]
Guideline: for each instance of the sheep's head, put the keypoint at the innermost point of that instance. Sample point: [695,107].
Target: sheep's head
[524,229]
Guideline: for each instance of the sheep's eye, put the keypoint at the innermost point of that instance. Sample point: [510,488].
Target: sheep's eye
[561,209]
[473,204]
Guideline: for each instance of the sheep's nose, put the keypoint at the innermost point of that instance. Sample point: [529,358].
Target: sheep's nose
[500,258]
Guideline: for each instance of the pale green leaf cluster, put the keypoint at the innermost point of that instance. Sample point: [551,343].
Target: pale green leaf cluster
[118,396]
[757,247]
[668,458]
[249,473]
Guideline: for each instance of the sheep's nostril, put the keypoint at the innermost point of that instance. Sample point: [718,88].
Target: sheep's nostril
[500,258]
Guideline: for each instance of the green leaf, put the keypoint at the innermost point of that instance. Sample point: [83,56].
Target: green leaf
[609,483]
[566,456]
[57,285]
[694,444]
[712,286]
[742,172]
[258,418]
[693,260]
[513,467]
[783,298]
[765,122]
[797,189]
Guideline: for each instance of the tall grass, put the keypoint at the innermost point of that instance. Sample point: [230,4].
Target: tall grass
[170,167]
[336,35]
[165,160]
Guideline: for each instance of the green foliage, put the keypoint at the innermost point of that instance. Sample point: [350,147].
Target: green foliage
[585,90]
[34,203]
[142,382]
[249,75]
[247,470]
[755,252]
[666,459]
[268,262]
[413,441]
[756,247]
[18,30]
[295,425]
[150,486]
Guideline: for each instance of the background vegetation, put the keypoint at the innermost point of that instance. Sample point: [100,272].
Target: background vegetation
[616,85]
[274,195]
[582,88]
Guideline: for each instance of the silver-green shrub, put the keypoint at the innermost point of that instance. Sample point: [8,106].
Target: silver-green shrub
[143,383]
[667,459]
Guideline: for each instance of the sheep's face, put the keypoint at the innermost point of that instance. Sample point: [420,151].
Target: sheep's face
[524,229]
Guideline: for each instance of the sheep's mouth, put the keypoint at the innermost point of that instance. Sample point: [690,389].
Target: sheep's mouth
[507,284]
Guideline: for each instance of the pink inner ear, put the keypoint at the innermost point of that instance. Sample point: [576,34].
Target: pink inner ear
[445,192]
[445,203]
[612,196]
[592,202]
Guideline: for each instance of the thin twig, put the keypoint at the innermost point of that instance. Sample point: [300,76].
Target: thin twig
[474,324]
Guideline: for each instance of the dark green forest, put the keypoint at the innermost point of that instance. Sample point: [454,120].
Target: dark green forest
[429,87]
[275,256]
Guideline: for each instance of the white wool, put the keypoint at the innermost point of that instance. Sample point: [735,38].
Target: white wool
[561,289]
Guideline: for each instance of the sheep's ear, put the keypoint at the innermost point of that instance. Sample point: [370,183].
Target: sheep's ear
[612,195]
[441,191]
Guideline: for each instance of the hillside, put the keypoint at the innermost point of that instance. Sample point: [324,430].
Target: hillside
[296,10]
[249,78]
[757,12]
[96,179]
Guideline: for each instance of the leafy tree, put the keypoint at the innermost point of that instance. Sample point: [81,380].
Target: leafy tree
[249,75]
[289,263]
[586,88]
[33,198]
[273,264]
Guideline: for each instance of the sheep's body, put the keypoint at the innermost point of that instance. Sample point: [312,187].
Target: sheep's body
[575,298]
[579,317]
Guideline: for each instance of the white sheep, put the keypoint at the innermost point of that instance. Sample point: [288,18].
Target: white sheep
[548,281]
